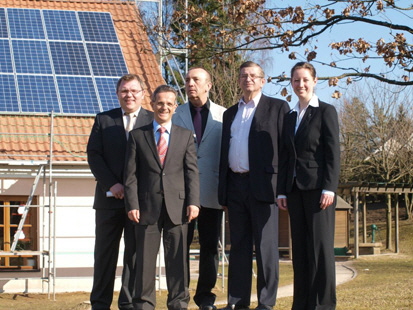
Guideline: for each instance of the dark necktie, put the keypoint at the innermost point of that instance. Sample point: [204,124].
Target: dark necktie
[198,124]
[162,146]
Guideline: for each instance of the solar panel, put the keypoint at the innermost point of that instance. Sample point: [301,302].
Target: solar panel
[8,95]
[25,24]
[5,60]
[106,59]
[97,27]
[62,25]
[78,95]
[31,57]
[37,93]
[106,90]
[61,61]
[69,58]
[3,25]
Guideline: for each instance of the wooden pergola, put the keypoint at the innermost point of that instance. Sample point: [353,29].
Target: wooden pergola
[358,192]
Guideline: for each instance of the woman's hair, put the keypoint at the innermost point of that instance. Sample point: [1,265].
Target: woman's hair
[304,65]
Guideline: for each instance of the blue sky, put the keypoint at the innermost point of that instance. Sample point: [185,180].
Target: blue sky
[277,62]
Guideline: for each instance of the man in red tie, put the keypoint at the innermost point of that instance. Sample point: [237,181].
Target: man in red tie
[161,197]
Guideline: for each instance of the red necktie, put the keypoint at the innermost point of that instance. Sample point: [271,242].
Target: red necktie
[162,146]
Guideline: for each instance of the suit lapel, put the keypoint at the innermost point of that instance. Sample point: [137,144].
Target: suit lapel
[231,114]
[260,113]
[173,145]
[185,115]
[118,119]
[308,116]
[142,119]
[290,121]
[212,116]
[150,140]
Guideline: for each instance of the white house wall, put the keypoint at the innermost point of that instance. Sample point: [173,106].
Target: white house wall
[74,236]
[74,233]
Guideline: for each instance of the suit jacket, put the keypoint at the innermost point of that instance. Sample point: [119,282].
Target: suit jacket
[314,150]
[263,143]
[106,153]
[208,150]
[148,184]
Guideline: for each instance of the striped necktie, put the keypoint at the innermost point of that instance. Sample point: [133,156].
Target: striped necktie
[162,146]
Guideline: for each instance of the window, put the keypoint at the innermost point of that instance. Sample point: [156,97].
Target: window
[10,216]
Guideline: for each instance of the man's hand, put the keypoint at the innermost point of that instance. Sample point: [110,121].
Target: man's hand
[117,191]
[133,215]
[192,212]
[326,201]
[282,203]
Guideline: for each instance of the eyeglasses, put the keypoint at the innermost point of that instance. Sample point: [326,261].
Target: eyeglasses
[252,77]
[134,92]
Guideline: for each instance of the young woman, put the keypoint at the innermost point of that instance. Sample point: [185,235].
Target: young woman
[308,176]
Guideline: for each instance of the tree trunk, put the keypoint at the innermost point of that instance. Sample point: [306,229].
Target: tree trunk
[409,206]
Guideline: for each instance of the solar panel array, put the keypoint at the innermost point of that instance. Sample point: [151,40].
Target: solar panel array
[60,61]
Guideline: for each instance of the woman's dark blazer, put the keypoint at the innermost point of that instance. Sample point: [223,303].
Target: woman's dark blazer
[314,150]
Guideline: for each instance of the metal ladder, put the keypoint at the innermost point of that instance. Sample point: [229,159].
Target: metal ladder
[26,209]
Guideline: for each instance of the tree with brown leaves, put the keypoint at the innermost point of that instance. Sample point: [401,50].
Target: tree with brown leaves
[384,54]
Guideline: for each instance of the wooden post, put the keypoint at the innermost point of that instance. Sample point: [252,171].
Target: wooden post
[356,225]
[396,233]
[388,224]
[363,197]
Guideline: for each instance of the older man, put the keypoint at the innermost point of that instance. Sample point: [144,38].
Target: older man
[204,118]
[247,186]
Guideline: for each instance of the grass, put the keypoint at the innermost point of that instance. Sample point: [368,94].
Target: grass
[383,282]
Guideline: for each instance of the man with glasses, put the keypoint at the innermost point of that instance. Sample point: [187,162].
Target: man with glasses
[106,152]
[247,187]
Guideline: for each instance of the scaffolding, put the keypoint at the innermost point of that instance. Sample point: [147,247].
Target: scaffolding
[46,251]
[168,55]
[21,164]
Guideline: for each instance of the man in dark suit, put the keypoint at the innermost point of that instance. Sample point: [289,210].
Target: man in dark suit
[208,136]
[161,197]
[106,152]
[247,187]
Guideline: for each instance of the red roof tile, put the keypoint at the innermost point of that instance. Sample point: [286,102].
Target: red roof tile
[24,137]
[27,137]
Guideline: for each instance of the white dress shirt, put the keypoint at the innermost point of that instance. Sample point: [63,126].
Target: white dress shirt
[240,128]
[133,116]
[300,114]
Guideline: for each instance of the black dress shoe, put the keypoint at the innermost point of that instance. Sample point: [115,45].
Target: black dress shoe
[207,307]
[235,307]
[263,307]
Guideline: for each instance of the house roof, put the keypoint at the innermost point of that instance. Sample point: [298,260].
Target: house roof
[26,137]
